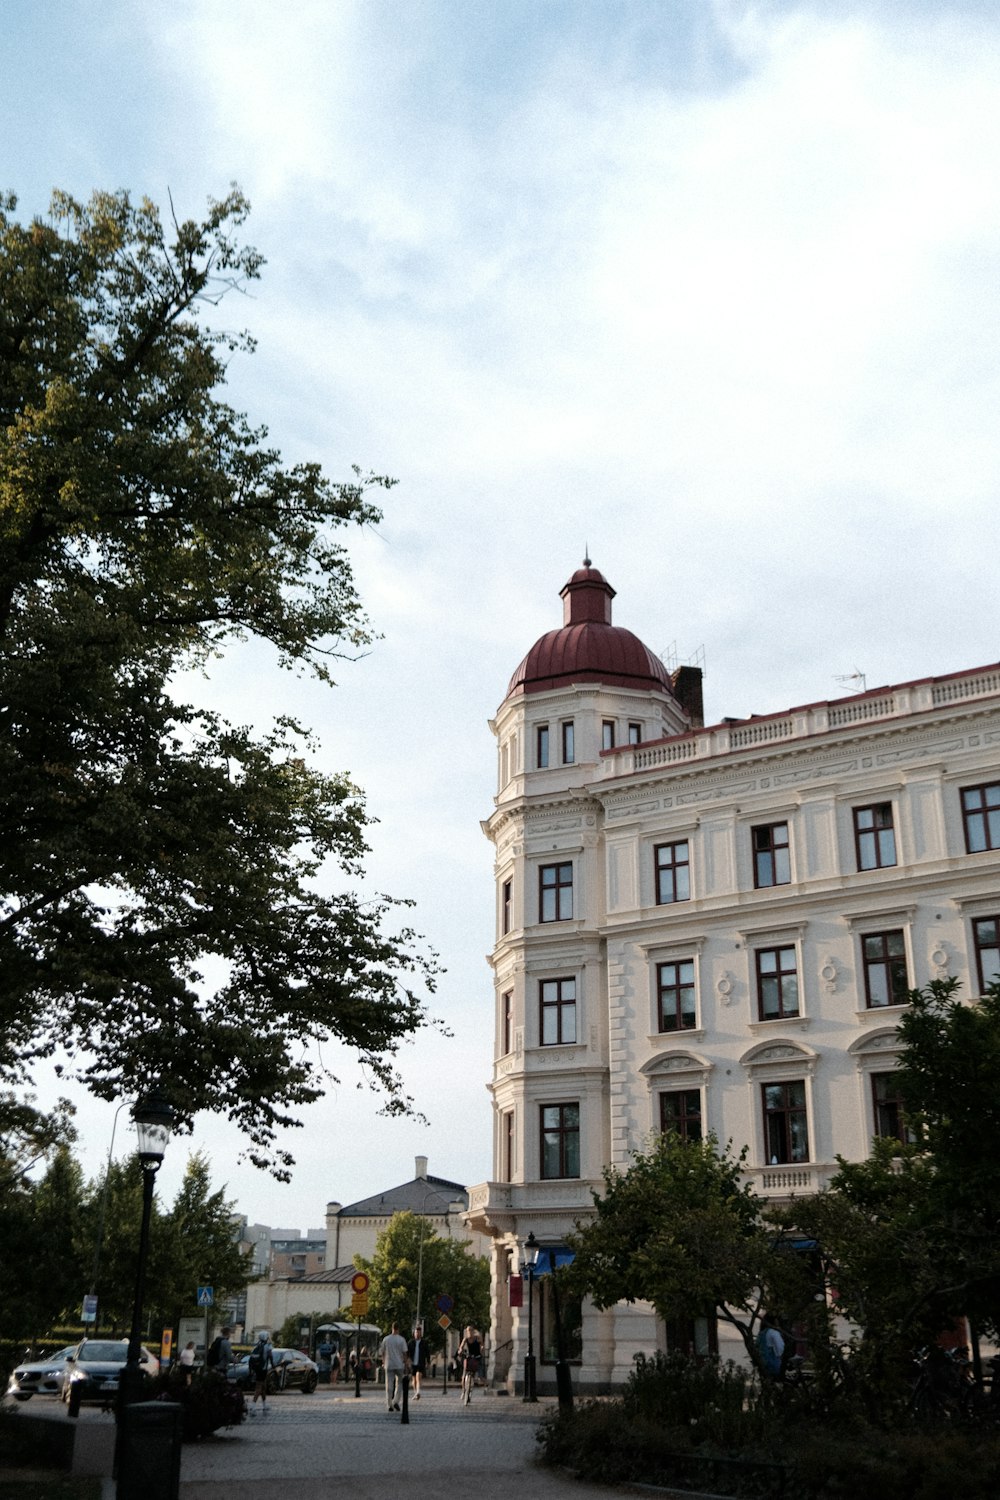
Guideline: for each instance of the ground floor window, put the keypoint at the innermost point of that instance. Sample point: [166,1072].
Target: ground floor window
[698,1338]
[571,1317]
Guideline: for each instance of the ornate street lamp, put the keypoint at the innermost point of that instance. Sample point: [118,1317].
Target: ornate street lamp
[154,1120]
[529,1259]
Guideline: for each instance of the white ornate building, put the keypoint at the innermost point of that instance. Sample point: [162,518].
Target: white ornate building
[712,928]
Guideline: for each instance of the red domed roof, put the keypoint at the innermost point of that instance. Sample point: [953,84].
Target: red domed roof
[589,648]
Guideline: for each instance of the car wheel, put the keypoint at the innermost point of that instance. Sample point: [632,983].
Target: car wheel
[309,1383]
[272,1383]
[23,1395]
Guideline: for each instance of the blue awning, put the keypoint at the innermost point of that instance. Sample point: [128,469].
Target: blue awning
[550,1256]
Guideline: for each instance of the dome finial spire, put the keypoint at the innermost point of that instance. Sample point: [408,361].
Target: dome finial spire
[586,555]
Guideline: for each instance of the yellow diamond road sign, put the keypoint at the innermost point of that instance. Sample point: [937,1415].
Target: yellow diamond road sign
[444,1321]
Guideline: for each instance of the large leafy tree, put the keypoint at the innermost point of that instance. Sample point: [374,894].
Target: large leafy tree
[192,1243]
[682,1229]
[168,900]
[411,1259]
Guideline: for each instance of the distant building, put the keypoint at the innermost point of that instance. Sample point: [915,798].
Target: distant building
[297,1284]
[711,929]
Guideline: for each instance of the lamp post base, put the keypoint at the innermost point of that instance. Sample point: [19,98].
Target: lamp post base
[530,1390]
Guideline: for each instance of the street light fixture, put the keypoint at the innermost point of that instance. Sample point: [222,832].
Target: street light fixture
[154,1119]
[529,1259]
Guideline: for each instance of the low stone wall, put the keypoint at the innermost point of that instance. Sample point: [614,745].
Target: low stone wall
[80,1446]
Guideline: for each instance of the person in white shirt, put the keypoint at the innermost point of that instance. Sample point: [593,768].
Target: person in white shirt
[393,1354]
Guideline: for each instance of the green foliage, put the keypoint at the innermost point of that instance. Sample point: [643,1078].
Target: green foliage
[681,1229]
[144,526]
[395,1272]
[617,1442]
[209,1401]
[289,1335]
[719,1404]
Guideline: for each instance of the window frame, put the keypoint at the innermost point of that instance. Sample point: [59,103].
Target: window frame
[674,868]
[874,833]
[506,905]
[685,1116]
[885,962]
[608,728]
[542,747]
[507,1145]
[988,813]
[567,1136]
[634,733]
[781,974]
[567,741]
[979,947]
[563,1007]
[556,888]
[890,1106]
[784,1112]
[772,853]
[678,986]
[507,1022]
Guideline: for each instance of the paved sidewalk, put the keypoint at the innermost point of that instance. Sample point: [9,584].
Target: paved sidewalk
[318,1444]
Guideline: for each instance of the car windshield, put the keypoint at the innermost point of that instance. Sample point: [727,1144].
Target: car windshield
[92,1354]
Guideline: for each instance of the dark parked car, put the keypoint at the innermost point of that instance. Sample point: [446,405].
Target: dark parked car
[94,1366]
[293,1370]
[40,1377]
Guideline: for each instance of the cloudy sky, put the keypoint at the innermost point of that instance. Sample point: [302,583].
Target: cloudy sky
[708,286]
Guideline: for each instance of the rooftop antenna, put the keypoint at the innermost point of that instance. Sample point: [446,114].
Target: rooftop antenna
[855,680]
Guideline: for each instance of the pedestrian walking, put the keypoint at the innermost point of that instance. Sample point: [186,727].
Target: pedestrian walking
[261,1364]
[395,1357]
[417,1349]
[186,1360]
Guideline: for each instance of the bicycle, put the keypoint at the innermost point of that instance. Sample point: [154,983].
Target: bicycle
[470,1368]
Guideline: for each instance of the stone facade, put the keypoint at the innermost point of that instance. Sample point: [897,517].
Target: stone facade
[713,927]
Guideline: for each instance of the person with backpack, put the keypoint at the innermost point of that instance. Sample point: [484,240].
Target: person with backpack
[220,1353]
[261,1363]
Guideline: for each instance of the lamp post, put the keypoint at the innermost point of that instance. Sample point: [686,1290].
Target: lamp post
[153,1118]
[529,1259]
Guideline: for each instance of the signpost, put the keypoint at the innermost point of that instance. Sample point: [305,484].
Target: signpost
[444,1305]
[359,1306]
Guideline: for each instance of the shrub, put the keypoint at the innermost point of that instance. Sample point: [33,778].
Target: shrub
[713,1403]
[210,1401]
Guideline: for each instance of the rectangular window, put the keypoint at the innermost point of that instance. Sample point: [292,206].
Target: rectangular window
[507,1146]
[986,936]
[505,902]
[557,1011]
[507,1006]
[777,984]
[874,836]
[886,979]
[635,734]
[608,734]
[888,1108]
[771,862]
[786,1135]
[568,743]
[555,893]
[981,813]
[675,985]
[560,1140]
[680,1110]
[673,872]
[542,746]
